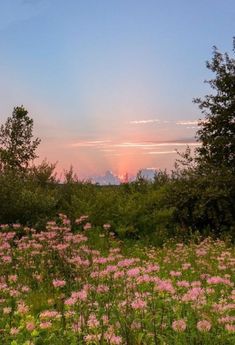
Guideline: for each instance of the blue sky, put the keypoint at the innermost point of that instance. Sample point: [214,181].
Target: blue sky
[103,78]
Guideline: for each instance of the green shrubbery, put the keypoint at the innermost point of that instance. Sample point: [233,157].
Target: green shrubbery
[178,207]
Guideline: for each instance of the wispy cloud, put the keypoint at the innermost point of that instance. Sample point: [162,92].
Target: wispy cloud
[160,152]
[90,143]
[141,122]
[187,123]
[154,144]
[108,146]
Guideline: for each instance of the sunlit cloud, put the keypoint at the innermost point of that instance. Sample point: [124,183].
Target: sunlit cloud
[160,152]
[187,123]
[108,146]
[107,150]
[154,144]
[95,143]
[140,122]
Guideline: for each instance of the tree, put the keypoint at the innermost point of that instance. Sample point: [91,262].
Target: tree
[17,147]
[217,132]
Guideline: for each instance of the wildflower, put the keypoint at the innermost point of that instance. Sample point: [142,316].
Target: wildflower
[7,310]
[112,338]
[105,319]
[70,301]
[92,338]
[45,325]
[165,286]
[230,328]
[179,325]
[22,308]
[30,326]
[92,321]
[138,304]
[87,226]
[58,283]
[218,280]
[193,294]
[102,288]
[203,326]
[133,272]
[14,331]
[82,295]
[49,314]
[76,327]
[175,274]
[183,283]
[13,278]
[6,258]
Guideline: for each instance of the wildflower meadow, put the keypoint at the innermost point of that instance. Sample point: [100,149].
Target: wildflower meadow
[82,285]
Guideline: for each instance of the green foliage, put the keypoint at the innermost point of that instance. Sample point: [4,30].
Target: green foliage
[17,147]
[203,187]
[26,200]
[217,132]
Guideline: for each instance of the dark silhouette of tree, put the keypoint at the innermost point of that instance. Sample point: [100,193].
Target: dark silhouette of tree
[17,146]
[217,132]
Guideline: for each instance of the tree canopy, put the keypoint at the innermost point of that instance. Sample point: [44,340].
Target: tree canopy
[217,130]
[17,146]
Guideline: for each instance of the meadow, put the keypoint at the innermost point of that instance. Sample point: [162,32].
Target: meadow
[86,286]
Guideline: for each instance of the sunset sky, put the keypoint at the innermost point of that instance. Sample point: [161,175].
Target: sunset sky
[110,83]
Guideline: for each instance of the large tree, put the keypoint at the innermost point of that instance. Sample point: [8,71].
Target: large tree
[217,131]
[17,146]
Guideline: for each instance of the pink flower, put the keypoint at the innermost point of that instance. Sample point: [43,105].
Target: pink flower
[230,328]
[82,295]
[113,339]
[218,280]
[92,321]
[92,338]
[30,326]
[76,327]
[13,278]
[87,226]
[193,294]
[133,272]
[165,286]
[7,310]
[58,283]
[70,301]
[138,304]
[49,314]
[179,325]
[183,283]
[203,326]
[22,308]
[175,274]
[102,288]
[14,331]
[45,325]
[6,258]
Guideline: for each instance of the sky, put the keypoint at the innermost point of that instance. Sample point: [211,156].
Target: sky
[110,83]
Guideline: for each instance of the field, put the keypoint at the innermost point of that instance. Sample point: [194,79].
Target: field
[88,287]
